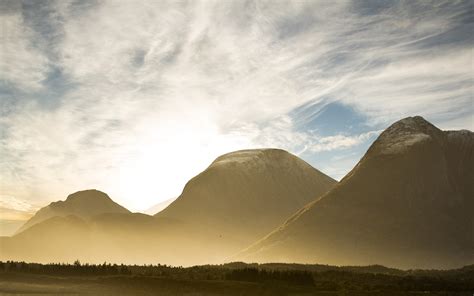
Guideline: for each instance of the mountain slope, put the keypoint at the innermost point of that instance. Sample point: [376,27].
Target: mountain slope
[407,203]
[83,204]
[52,240]
[244,194]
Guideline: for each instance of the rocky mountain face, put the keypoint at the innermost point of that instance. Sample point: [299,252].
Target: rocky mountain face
[407,203]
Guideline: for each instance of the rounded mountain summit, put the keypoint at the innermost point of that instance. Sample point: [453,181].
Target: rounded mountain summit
[245,194]
[83,204]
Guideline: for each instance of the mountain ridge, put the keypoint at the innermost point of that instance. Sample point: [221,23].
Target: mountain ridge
[406,204]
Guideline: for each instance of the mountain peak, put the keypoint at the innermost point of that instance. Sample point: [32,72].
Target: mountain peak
[89,201]
[406,133]
[242,156]
[416,124]
[407,203]
[83,204]
[89,194]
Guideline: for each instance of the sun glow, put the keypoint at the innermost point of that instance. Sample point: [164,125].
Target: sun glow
[166,156]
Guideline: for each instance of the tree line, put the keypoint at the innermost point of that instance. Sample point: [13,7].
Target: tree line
[325,280]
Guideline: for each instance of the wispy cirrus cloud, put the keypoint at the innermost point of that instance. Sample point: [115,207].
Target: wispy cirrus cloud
[341,141]
[135,98]
[13,203]
[23,67]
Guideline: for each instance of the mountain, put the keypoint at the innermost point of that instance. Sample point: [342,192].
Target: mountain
[159,206]
[245,194]
[83,204]
[240,197]
[408,203]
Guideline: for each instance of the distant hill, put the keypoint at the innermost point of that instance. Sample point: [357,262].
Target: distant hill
[83,204]
[239,198]
[408,203]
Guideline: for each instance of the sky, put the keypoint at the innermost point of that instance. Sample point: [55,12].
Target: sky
[135,98]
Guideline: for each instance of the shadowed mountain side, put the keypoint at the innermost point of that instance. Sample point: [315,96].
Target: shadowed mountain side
[239,198]
[83,204]
[408,203]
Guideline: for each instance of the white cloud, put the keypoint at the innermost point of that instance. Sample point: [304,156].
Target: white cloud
[341,141]
[441,81]
[13,203]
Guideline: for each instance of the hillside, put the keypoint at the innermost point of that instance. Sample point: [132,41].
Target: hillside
[83,204]
[408,203]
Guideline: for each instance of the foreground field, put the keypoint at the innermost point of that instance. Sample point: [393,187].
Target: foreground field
[230,279]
